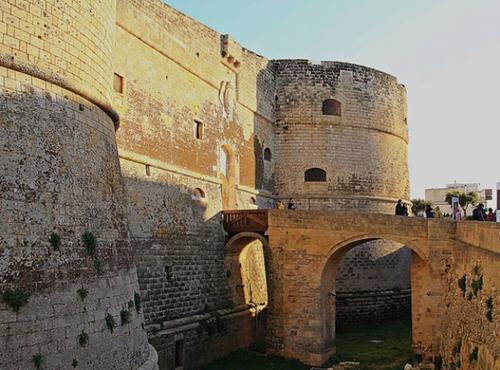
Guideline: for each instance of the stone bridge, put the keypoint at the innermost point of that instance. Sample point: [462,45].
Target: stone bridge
[303,249]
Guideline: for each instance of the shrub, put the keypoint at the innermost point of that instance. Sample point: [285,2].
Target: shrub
[489,307]
[477,285]
[462,284]
[15,299]
[125,316]
[474,354]
[74,363]
[82,293]
[37,361]
[83,339]
[55,241]
[110,322]
[137,302]
[90,243]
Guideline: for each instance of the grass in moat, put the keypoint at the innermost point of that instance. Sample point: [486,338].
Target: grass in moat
[390,351]
[246,359]
[380,346]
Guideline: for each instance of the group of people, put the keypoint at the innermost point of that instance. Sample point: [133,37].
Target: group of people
[479,213]
[290,205]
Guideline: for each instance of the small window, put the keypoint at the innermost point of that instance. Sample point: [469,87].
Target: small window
[148,170]
[118,83]
[331,107]
[198,130]
[253,201]
[198,194]
[169,273]
[315,175]
[267,154]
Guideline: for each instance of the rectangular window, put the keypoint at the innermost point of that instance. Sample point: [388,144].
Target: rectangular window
[198,130]
[179,354]
[148,170]
[118,83]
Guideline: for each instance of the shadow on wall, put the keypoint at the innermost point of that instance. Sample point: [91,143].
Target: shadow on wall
[378,288]
[184,279]
[179,248]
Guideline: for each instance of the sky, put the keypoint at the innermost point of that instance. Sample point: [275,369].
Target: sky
[446,52]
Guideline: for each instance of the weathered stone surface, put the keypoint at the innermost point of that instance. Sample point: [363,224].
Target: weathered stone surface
[206,125]
[306,248]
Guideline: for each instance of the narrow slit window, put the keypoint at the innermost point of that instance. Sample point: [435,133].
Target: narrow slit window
[118,83]
[198,130]
[179,354]
[148,170]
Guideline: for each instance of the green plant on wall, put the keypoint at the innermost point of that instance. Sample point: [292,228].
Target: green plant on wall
[462,284]
[97,266]
[489,309]
[90,243]
[37,361]
[15,299]
[110,322]
[83,339]
[137,302]
[55,241]
[477,285]
[473,356]
[125,316]
[82,293]
[477,270]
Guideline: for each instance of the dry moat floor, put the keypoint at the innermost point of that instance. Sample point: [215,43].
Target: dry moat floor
[384,346]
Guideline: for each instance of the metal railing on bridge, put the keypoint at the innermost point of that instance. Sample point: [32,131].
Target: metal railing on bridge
[237,221]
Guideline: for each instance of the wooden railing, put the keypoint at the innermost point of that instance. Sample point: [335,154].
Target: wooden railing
[254,220]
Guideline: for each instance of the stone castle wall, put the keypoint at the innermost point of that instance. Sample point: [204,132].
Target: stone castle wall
[174,75]
[471,321]
[61,178]
[153,191]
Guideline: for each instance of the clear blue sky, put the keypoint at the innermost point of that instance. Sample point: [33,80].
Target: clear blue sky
[446,52]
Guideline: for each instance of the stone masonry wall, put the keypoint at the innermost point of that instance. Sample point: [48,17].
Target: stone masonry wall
[60,177]
[471,332]
[177,72]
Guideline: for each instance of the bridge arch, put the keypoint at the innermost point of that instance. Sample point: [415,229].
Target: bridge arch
[420,268]
[246,269]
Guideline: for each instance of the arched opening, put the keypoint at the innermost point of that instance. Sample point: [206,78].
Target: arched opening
[198,194]
[331,107]
[267,155]
[245,261]
[227,174]
[315,175]
[369,307]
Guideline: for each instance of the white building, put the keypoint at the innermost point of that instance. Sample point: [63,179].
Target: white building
[437,196]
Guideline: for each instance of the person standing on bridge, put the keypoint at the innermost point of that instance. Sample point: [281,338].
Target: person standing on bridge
[401,209]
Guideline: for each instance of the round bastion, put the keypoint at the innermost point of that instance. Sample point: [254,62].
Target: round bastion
[68,281]
[341,144]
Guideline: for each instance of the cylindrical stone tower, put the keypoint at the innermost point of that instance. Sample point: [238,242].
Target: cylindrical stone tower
[67,278]
[341,143]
